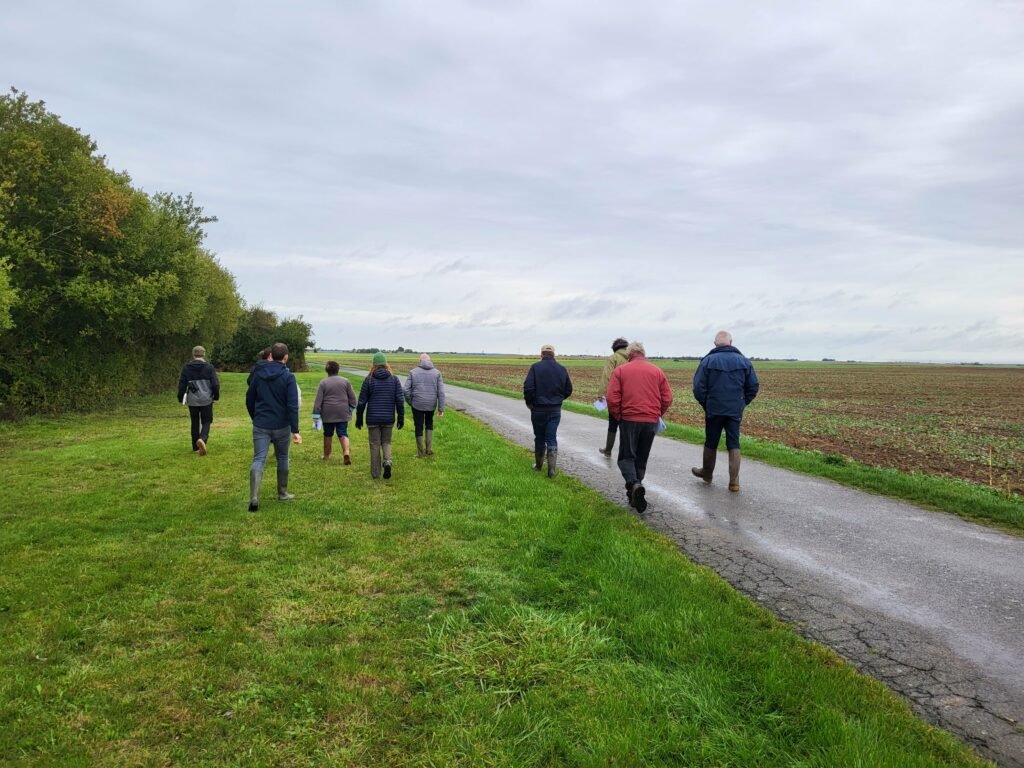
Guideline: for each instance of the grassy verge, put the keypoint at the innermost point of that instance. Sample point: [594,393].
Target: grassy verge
[968,500]
[467,612]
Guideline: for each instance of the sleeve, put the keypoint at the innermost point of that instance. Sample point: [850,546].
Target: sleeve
[700,385]
[567,389]
[408,387]
[352,402]
[606,374]
[214,383]
[530,388]
[399,401]
[751,386]
[440,392]
[614,396]
[182,385]
[250,398]
[318,401]
[666,395]
[293,404]
[364,396]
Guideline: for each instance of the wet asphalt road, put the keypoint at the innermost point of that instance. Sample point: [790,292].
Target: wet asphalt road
[929,604]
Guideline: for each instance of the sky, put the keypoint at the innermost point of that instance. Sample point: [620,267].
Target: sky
[841,180]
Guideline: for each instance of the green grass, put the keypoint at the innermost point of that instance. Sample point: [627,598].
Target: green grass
[467,612]
[974,502]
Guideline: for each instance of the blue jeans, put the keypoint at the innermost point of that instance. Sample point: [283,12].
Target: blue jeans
[261,440]
[713,426]
[545,429]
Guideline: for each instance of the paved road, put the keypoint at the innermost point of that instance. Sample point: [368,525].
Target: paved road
[929,604]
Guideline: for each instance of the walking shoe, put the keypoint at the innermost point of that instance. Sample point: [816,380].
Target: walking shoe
[348,459]
[629,493]
[201,445]
[640,498]
[254,506]
[285,496]
[387,470]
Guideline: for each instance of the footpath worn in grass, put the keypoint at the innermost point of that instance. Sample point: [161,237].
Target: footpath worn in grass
[466,612]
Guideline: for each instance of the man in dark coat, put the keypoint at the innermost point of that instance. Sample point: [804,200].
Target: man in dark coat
[547,385]
[273,404]
[199,389]
[724,384]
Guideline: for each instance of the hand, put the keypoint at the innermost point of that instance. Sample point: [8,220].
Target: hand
[359,423]
[440,414]
[297,438]
[401,423]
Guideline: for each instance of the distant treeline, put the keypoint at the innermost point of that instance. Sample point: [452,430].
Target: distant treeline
[103,289]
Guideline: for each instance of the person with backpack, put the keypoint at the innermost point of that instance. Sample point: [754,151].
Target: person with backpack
[424,392]
[199,389]
[382,401]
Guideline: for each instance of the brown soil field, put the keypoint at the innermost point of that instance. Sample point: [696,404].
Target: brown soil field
[939,420]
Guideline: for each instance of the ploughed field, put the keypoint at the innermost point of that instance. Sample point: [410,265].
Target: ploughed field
[939,420]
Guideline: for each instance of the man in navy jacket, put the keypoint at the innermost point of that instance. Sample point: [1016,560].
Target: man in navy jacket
[273,404]
[724,384]
[546,386]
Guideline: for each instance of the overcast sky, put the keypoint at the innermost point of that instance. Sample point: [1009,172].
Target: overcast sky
[823,179]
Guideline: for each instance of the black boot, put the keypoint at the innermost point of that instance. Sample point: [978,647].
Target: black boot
[552,462]
[387,470]
[538,459]
[639,497]
[705,472]
[419,447]
[608,445]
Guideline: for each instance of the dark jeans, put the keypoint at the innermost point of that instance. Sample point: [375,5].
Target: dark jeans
[713,426]
[635,441]
[202,418]
[545,429]
[421,419]
[261,440]
[613,424]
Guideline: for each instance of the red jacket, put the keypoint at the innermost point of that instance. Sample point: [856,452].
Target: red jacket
[638,391]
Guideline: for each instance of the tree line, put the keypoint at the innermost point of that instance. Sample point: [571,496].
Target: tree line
[104,289]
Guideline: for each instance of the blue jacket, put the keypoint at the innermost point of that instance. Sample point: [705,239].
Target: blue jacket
[273,397]
[547,385]
[725,382]
[381,397]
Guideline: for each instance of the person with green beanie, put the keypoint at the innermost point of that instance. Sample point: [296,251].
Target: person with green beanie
[382,401]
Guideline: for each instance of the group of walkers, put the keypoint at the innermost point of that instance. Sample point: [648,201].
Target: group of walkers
[637,396]
[635,393]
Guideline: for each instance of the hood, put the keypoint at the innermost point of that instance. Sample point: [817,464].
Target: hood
[381,373]
[196,364]
[726,348]
[620,353]
[425,364]
[270,370]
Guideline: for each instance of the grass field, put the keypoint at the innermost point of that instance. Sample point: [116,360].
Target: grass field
[467,612]
[962,425]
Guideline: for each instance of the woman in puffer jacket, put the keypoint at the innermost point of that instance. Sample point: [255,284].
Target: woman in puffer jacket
[381,400]
[424,392]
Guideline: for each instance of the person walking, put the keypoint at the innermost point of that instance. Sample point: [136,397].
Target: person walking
[724,384]
[639,395]
[264,358]
[199,389]
[273,404]
[424,392]
[334,403]
[547,384]
[382,400]
[617,358]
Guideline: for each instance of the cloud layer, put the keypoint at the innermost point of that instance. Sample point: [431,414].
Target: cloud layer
[823,181]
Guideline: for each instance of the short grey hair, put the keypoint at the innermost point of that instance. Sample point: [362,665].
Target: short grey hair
[424,358]
[723,339]
[636,348]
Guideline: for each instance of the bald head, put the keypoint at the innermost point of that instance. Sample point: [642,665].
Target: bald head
[424,358]
[723,339]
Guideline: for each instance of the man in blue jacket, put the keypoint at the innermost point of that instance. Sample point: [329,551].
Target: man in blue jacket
[546,386]
[273,404]
[724,384]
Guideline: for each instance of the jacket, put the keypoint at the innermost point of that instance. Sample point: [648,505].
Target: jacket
[547,385]
[638,391]
[198,383]
[258,364]
[725,383]
[424,387]
[335,399]
[612,362]
[273,398]
[381,398]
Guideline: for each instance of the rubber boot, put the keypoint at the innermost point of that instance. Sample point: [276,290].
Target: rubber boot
[282,486]
[430,442]
[608,445]
[538,459]
[328,444]
[552,462]
[705,473]
[419,446]
[734,469]
[255,480]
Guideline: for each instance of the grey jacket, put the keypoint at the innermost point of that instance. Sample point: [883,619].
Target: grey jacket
[335,400]
[424,387]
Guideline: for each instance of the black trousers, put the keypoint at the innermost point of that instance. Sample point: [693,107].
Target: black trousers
[635,441]
[202,418]
[613,424]
[421,419]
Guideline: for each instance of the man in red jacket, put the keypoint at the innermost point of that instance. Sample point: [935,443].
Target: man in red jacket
[638,396]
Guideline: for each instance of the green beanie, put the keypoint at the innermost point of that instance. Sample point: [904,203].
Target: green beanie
[379,359]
